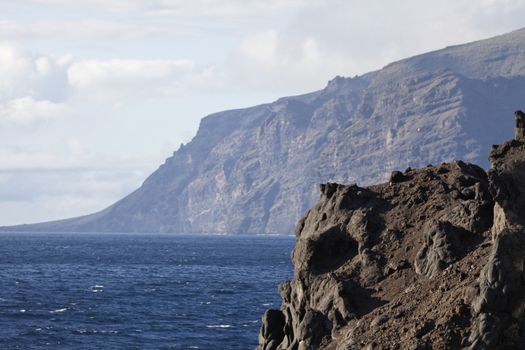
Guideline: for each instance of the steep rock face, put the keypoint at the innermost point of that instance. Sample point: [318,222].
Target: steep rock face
[434,259]
[500,305]
[256,170]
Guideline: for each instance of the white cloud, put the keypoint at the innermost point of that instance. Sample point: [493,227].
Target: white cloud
[348,37]
[266,60]
[36,196]
[195,8]
[73,29]
[37,88]
[38,186]
[26,111]
[15,159]
[72,156]
[285,44]
[32,88]
[24,74]
[118,73]
[113,6]
[116,80]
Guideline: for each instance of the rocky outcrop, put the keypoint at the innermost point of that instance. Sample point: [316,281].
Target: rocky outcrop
[433,259]
[500,304]
[256,170]
[443,244]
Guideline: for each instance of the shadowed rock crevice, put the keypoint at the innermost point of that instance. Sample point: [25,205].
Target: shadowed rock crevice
[272,329]
[331,250]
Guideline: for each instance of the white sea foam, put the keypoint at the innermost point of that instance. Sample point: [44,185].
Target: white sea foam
[219,326]
[58,310]
[96,331]
[97,288]
[22,310]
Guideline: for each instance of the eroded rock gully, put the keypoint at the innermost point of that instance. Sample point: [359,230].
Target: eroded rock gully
[434,259]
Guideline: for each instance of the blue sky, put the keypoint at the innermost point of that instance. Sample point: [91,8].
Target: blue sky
[96,94]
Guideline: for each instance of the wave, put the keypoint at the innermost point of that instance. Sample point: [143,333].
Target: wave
[58,310]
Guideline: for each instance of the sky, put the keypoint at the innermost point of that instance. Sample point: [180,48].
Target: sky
[95,95]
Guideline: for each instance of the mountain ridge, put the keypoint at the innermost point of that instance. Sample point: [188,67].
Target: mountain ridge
[256,169]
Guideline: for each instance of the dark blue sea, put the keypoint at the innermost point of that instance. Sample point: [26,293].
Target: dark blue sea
[126,291]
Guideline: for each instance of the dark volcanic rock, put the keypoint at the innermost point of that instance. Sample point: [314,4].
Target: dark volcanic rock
[464,231]
[443,244]
[500,315]
[397,176]
[256,170]
[272,330]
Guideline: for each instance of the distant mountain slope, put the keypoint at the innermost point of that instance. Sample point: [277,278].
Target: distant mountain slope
[257,170]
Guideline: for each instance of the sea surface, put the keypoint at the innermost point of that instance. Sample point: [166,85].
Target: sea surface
[128,291]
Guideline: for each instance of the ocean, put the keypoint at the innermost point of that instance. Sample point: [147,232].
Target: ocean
[130,291]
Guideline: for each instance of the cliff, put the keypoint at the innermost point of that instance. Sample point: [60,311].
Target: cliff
[256,170]
[433,259]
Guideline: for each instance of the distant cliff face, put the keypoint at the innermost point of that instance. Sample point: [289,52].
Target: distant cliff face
[256,170]
[434,259]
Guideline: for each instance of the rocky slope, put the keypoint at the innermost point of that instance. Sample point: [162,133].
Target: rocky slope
[433,259]
[256,170]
